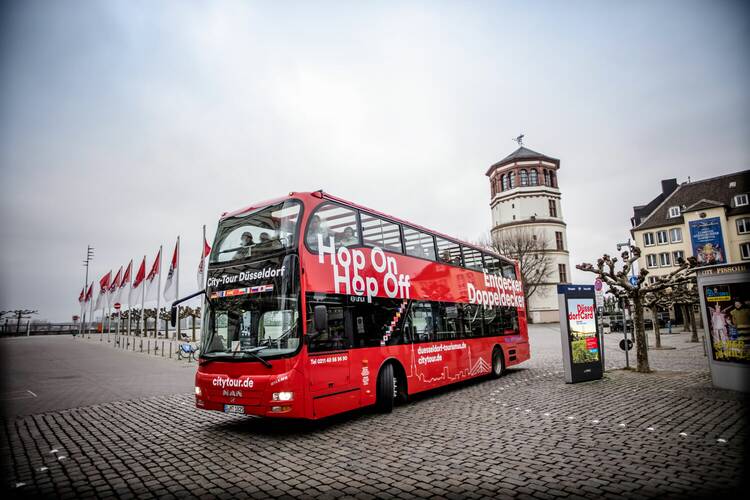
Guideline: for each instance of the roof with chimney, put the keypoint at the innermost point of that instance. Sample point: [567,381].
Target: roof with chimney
[691,196]
[522,154]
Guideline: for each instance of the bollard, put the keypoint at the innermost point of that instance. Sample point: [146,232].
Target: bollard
[162,348]
[148,346]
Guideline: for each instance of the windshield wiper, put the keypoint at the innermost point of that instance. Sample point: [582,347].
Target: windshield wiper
[252,352]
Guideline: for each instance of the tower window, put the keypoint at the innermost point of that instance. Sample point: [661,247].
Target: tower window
[546,178]
[524,178]
[563,273]
[552,208]
[504,181]
[559,240]
[552,179]
[533,177]
[511,180]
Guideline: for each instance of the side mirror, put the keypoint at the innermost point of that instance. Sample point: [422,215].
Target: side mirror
[173,316]
[320,318]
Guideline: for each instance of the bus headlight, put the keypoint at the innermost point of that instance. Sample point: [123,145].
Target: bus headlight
[198,391]
[283,396]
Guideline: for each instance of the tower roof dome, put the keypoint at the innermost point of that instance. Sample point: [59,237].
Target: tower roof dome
[522,153]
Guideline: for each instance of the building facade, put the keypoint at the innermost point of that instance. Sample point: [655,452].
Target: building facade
[707,219]
[525,200]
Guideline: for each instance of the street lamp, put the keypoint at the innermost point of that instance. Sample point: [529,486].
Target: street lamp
[89,258]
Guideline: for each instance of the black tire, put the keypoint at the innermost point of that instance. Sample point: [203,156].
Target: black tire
[386,389]
[498,363]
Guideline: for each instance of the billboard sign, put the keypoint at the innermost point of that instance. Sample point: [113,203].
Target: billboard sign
[579,333]
[707,242]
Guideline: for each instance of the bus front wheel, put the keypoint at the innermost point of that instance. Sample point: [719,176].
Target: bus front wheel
[386,389]
[498,363]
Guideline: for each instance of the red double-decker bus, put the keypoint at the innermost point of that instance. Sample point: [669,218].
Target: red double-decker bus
[316,306]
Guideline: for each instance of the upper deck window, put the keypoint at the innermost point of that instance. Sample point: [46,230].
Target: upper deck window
[491,264]
[448,251]
[419,244]
[257,233]
[331,220]
[377,232]
[472,258]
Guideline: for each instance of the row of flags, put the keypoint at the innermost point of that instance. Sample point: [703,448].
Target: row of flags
[139,288]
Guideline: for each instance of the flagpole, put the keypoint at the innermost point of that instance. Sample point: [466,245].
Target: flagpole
[177,288]
[158,296]
[203,281]
[91,307]
[143,299]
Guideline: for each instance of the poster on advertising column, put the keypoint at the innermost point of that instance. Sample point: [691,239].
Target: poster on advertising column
[707,241]
[728,310]
[579,335]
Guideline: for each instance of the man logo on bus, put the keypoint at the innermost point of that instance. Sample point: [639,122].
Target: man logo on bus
[347,263]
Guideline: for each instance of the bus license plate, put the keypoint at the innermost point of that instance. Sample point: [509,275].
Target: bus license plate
[238,409]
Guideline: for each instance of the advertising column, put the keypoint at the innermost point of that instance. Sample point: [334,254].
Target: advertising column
[725,305]
[582,356]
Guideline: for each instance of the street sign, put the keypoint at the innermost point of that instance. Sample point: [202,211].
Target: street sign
[599,294]
[76,318]
[597,284]
[117,306]
[622,344]
[633,280]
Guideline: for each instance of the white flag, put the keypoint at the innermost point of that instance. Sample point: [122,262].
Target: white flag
[170,286]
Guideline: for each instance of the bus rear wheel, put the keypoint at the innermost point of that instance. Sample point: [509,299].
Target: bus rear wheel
[386,389]
[498,363]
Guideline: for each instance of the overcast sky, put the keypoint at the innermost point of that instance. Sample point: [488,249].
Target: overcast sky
[124,124]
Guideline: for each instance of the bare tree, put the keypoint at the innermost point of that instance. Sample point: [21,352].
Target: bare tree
[529,247]
[620,286]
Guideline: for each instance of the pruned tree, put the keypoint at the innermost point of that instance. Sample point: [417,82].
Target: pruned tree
[147,314]
[530,248]
[191,312]
[618,280]
[22,314]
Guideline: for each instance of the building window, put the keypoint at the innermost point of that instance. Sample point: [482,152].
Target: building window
[661,237]
[745,251]
[664,259]
[533,177]
[648,239]
[546,177]
[552,208]
[524,178]
[552,179]
[652,279]
[674,212]
[675,235]
[740,200]
[563,273]
[651,260]
[677,256]
[504,182]
[511,180]
[559,240]
[743,225]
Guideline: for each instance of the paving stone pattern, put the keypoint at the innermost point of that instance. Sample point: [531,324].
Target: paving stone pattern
[526,435]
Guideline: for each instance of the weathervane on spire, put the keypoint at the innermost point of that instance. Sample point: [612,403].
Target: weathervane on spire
[519,140]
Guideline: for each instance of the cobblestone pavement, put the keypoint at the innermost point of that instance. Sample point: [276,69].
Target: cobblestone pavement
[526,435]
[44,373]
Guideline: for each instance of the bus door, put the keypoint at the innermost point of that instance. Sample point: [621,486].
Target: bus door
[329,365]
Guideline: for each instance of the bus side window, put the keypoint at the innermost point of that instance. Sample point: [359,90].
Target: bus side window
[473,322]
[448,252]
[381,323]
[491,264]
[472,258]
[509,271]
[448,321]
[336,337]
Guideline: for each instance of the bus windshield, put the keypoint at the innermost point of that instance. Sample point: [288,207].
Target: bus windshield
[253,309]
[257,234]
[239,326]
